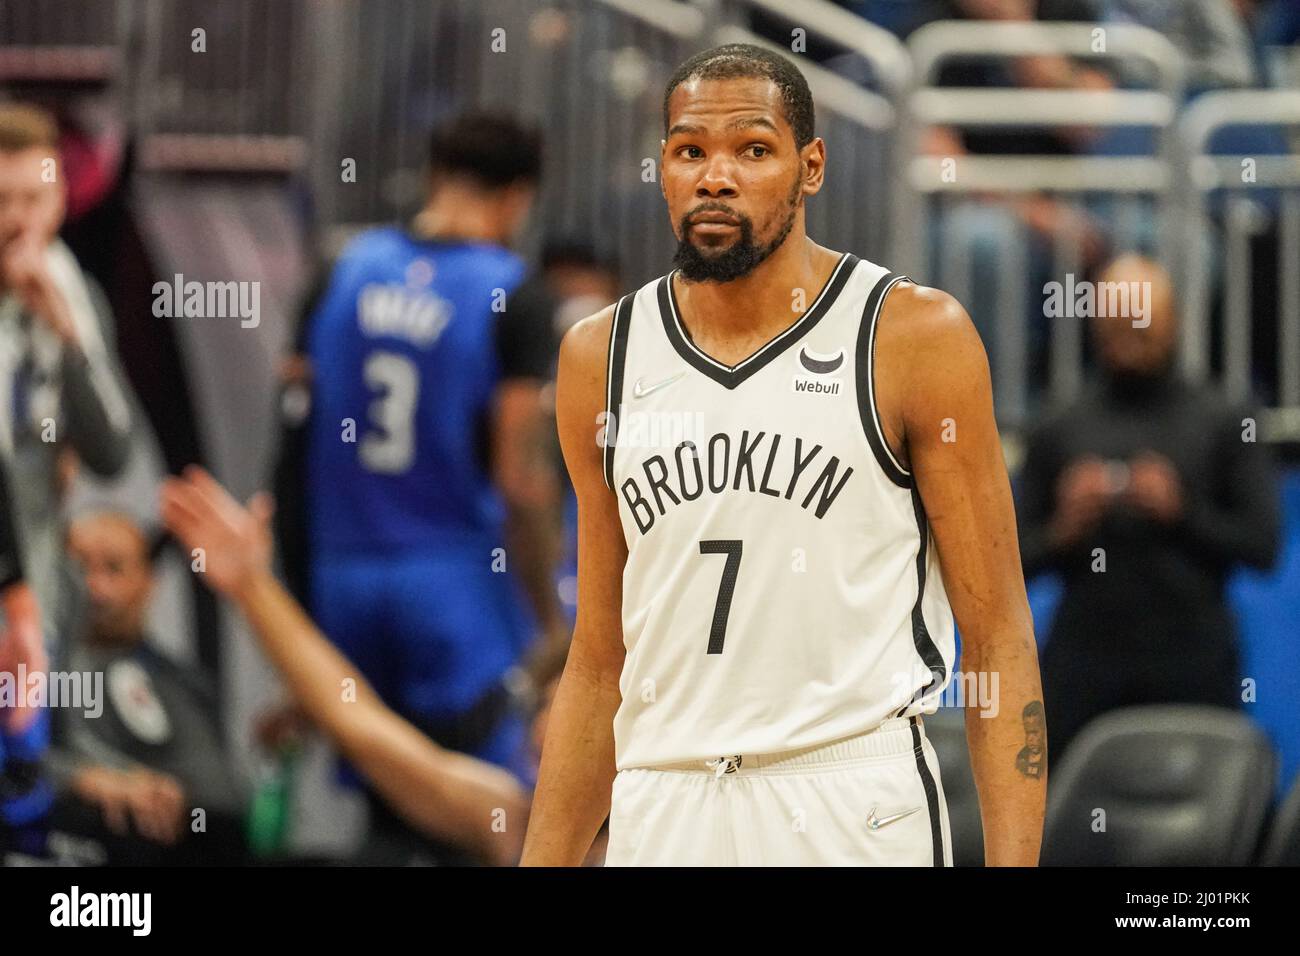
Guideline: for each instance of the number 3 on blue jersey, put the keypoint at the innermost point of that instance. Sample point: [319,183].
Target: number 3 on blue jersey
[389,448]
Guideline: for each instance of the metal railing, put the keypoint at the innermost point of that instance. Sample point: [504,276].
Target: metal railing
[590,74]
[72,41]
[1231,199]
[941,195]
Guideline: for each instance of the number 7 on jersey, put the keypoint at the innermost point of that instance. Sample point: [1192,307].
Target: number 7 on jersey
[732,549]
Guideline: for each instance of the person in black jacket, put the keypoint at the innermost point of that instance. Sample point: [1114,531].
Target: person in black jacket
[1144,495]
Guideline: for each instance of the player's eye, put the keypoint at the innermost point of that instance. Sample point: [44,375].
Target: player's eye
[758,150]
[690,152]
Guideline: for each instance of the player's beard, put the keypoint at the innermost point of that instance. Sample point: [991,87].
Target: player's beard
[740,258]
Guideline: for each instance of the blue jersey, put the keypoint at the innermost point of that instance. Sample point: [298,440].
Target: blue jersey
[405,362]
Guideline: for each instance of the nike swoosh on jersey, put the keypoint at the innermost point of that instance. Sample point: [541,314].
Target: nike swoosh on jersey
[639,392]
[875,823]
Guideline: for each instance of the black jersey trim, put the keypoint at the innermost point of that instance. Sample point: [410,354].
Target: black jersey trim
[616,359]
[729,376]
[866,382]
[931,794]
[925,645]
[928,651]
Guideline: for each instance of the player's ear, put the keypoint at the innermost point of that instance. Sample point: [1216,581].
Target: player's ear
[812,159]
[663,151]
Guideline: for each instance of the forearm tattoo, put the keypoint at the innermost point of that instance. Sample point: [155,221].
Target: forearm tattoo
[1032,759]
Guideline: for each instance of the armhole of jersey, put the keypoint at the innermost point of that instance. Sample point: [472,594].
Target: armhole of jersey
[866,374]
[614,380]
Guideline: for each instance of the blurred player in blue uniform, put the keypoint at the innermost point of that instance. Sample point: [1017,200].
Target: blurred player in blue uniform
[431,488]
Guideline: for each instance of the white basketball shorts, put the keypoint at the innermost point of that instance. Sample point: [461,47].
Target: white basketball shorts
[870,800]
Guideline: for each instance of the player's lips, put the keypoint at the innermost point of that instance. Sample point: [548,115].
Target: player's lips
[714,219]
[713,222]
[712,228]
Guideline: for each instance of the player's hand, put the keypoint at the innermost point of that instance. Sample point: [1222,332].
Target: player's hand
[1083,493]
[151,803]
[233,542]
[21,643]
[26,271]
[1154,487]
[157,804]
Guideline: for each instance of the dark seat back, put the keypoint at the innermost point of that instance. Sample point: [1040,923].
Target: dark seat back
[1160,785]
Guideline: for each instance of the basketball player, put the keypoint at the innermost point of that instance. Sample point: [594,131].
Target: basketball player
[764,603]
[427,450]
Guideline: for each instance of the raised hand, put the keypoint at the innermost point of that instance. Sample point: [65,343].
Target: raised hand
[230,545]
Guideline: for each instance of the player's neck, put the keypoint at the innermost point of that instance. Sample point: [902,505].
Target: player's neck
[769,299]
[453,218]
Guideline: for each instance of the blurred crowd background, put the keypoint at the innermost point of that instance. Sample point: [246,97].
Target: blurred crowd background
[989,147]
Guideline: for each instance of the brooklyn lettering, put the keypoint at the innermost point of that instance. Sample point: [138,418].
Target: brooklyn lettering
[758,463]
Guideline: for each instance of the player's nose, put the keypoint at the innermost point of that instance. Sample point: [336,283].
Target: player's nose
[716,180]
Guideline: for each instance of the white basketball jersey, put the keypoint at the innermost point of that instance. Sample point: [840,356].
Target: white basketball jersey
[782,588]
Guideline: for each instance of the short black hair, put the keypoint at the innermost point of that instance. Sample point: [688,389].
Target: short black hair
[496,149]
[737,60]
[573,250]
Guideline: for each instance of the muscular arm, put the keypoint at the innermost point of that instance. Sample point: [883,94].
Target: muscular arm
[450,796]
[935,398]
[577,771]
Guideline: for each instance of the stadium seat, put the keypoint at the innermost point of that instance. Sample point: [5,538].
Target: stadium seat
[946,730]
[1161,785]
[1283,846]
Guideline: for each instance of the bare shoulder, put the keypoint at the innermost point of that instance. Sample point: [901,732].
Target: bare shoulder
[584,350]
[923,331]
[929,364]
[580,396]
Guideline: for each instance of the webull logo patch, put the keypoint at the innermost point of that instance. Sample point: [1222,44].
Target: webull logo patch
[816,386]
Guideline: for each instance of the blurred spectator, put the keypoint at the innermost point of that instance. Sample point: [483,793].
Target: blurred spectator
[980,245]
[155,753]
[1275,30]
[580,279]
[901,17]
[60,390]
[289,479]
[20,633]
[1210,34]
[25,796]
[1143,495]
